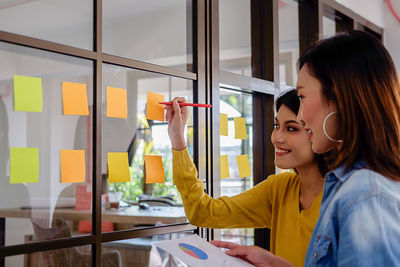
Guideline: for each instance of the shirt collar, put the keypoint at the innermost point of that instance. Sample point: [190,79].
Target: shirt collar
[341,174]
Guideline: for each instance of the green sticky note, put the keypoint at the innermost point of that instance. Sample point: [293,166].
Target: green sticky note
[24,163]
[28,93]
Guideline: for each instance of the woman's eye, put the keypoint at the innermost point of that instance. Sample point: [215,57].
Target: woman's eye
[291,129]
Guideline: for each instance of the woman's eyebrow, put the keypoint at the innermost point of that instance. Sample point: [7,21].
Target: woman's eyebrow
[291,121]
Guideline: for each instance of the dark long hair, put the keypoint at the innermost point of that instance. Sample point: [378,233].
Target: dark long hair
[291,101]
[359,76]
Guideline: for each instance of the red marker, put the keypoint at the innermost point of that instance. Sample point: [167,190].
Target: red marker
[189,104]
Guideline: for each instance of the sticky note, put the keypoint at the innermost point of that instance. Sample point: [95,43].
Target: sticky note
[243,165]
[73,166]
[118,167]
[24,165]
[224,167]
[223,124]
[240,128]
[155,111]
[117,103]
[28,94]
[154,169]
[75,99]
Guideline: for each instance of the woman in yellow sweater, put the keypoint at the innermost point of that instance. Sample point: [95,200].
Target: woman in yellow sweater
[287,203]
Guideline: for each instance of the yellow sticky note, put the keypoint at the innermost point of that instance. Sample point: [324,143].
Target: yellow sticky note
[243,165]
[224,167]
[154,169]
[24,165]
[73,166]
[28,94]
[117,103]
[118,167]
[240,128]
[223,124]
[75,99]
[155,111]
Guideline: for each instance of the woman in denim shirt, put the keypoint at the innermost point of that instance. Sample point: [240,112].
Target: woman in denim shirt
[350,104]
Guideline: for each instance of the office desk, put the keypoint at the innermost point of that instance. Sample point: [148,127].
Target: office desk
[133,215]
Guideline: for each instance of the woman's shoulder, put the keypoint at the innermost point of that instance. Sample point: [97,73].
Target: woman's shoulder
[283,179]
[365,187]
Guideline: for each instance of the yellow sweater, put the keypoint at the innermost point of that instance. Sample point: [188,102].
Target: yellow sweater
[273,203]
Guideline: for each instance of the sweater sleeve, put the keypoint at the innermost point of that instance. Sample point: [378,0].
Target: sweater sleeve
[250,209]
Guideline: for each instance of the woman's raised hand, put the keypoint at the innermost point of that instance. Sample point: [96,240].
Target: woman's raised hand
[177,117]
[257,256]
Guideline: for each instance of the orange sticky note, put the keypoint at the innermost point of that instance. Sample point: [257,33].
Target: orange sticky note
[73,166]
[223,124]
[155,111]
[240,128]
[75,99]
[224,167]
[243,165]
[117,103]
[154,169]
[118,167]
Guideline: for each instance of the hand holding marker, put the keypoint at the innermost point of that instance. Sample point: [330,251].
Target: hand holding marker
[188,104]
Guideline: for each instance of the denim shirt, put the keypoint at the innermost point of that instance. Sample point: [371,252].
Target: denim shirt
[359,222]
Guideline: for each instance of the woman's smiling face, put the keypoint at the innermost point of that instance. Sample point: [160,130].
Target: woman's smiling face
[314,108]
[292,146]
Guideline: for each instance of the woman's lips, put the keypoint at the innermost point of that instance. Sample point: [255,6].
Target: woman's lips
[279,152]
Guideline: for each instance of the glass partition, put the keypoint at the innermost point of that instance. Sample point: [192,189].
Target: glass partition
[136,137]
[66,22]
[235,36]
[237,104]
[158,32]
[288,41]
[41,145]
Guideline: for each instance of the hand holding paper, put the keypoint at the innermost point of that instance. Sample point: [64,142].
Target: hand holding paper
[257,256]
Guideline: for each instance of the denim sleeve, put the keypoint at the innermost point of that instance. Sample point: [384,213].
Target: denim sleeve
[369,232]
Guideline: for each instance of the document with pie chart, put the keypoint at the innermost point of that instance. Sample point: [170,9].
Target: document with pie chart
[197,252]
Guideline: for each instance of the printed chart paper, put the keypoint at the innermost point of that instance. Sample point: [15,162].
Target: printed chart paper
[197,252]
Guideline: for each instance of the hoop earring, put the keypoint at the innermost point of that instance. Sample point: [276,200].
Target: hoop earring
[324,128]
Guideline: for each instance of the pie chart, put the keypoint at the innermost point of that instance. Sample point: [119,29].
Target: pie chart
[193,251]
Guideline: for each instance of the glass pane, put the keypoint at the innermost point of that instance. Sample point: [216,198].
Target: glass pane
[288,41]
[142,252]
[235,36]
[66,257]
[66,22]
[328,27]
[236,104]
[137,137]
[35,198]
[158,32]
